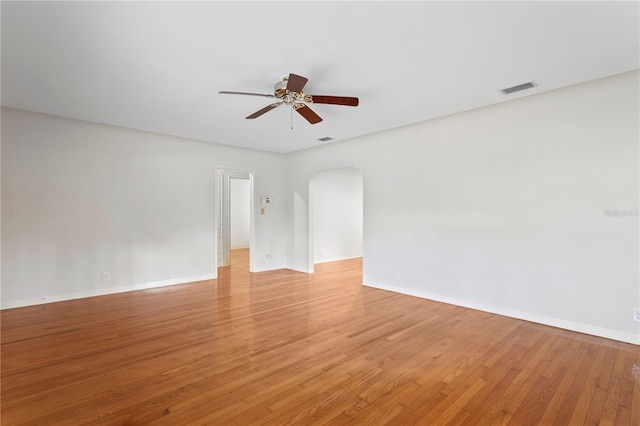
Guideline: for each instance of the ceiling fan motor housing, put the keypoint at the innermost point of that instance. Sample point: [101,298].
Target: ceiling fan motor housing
[281,86]
[287,96]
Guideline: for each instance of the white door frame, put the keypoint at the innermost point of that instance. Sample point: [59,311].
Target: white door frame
[223,209]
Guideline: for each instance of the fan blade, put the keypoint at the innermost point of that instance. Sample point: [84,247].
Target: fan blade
[334,100]
[224,92]
[296,83]
[264,110]
[307,113]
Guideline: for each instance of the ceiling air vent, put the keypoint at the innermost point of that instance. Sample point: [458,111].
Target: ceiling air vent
[518,88]
[325,139]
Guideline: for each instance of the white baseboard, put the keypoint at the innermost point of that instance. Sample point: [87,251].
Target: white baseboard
[594,330]
[10,304]
[269,267]
[336,260]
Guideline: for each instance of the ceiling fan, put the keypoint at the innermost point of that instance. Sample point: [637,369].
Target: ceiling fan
[289,92]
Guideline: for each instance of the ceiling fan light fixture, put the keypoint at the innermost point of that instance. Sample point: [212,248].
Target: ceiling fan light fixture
[519,87]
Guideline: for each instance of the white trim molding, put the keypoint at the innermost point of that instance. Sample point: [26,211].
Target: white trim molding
[102,292]
[594,330]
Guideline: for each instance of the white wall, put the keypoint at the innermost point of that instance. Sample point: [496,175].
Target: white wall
[507,207]
[239,212]
[507,213]
[80,199]
[337,214]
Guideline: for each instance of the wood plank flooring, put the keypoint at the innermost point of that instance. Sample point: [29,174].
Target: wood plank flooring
[284,347]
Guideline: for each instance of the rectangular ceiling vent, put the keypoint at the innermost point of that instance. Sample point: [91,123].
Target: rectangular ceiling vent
[518,88]
[325,139]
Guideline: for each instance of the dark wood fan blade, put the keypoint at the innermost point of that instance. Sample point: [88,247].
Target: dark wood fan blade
[224,92]
[334,100]
[307,113]
[264,110]
[296,83]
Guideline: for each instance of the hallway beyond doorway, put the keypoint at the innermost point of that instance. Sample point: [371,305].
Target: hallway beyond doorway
[238,264]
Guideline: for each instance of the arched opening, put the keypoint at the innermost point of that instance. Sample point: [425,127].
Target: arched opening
[335,215]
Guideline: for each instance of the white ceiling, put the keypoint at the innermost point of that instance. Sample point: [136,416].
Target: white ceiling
[158,66]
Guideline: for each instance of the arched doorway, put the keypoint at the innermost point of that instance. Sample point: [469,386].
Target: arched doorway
[335,215]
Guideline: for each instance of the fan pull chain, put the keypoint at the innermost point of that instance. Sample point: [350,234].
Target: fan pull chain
[291,116]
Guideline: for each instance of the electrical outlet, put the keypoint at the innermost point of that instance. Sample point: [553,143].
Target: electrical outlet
[268,256]
[636,314]
[106,276]
[396,276]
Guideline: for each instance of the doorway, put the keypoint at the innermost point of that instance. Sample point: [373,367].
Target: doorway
[234,221]
[336,219]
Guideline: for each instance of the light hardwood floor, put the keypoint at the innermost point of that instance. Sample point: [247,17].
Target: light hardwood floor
[284,347]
